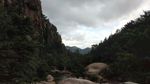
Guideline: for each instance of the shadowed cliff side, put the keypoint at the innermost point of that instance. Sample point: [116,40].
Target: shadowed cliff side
[28,41]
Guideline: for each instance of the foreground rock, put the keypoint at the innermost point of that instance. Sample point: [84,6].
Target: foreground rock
[95,68]
[50,80]
[75,81]
[94,71]
[130,83]
[120,83]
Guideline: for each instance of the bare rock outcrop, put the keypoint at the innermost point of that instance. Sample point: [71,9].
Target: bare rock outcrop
[50,80]
[95,68]
[94,71]
[44,32]
[129,82]
[75,81]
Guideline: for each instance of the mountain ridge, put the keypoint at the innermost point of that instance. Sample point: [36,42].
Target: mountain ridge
[75,49]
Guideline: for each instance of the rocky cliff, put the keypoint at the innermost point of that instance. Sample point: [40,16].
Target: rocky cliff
[28,41]
[32,8]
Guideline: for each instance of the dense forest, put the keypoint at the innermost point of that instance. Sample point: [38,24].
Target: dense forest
[127,51]
[30,48]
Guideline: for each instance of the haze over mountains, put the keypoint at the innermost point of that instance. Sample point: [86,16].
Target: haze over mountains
[75,49]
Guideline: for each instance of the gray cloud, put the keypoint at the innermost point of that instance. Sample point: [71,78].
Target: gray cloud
[119,8]
[71,16]
[88,12]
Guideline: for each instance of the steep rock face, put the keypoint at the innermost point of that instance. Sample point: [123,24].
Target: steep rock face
[32,9]
[51,34]
[29,8]
[45,34]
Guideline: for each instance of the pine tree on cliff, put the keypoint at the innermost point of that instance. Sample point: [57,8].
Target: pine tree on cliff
[28,42]
[128,51]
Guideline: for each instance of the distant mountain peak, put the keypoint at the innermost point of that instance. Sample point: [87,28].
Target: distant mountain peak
[78,50]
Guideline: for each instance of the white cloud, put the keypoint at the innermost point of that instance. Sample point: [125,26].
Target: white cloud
[85,22]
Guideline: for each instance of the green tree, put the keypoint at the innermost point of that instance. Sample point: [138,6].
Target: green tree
[17,48]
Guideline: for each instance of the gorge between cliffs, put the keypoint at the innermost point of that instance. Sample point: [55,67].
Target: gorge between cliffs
[32,51]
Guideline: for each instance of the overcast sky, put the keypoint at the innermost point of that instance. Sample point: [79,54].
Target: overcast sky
[83,23]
